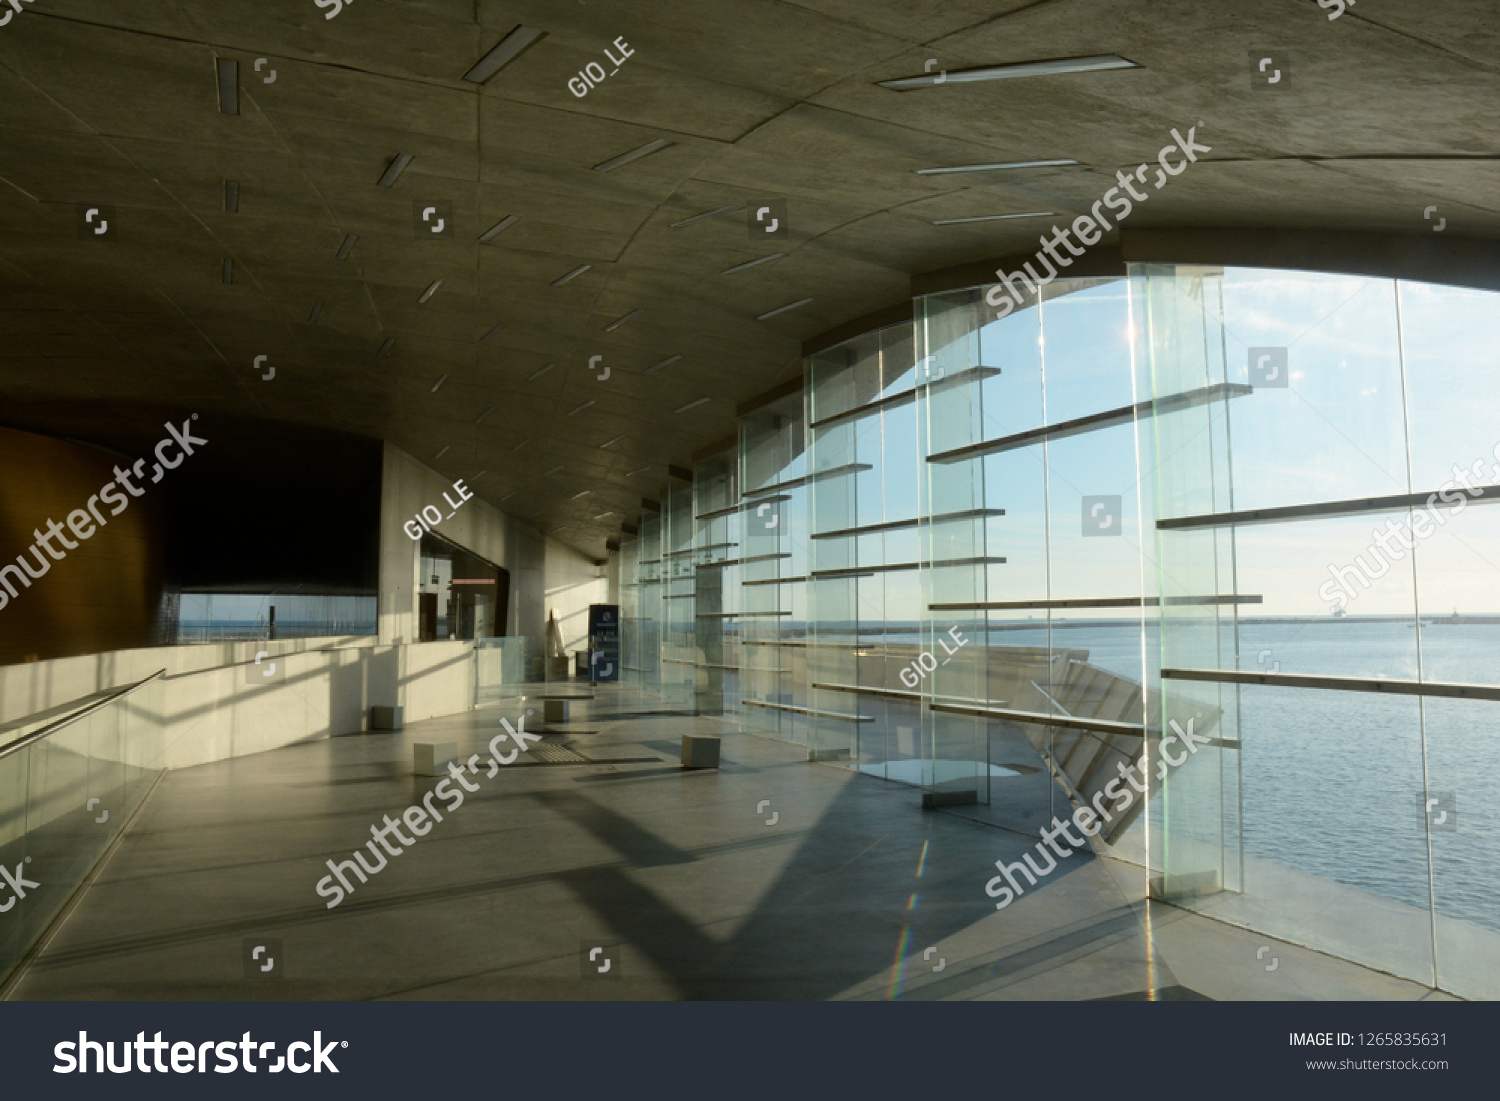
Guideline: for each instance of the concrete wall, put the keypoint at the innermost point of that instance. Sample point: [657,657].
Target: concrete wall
[406,488]
[573,583]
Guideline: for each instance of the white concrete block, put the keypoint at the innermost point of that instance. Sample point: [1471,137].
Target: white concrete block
[433,758]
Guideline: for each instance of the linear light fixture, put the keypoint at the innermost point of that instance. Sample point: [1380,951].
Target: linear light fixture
[634,155]
[995,218]
[512,46]
[551,472]
[518,446]
[492,332]
[783,309]
[753,263]
[664,363]
[227,272]
[602,515]
[498,228]
[231,197]
[615,325]
[991,167]
[386,347]
[542,372]
[642,470]
[509,495]
[574,274]
[347,247]
[692,405]
[585,493]
[607,443]
[393,170]
[229,85]
[317,312]
[705,214]
[582,407]
[438,385]
[430,291]
[1053,67]
[443,452]
[486,413]
[481,474]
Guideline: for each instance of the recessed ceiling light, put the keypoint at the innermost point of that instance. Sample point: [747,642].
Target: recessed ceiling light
[486,413]
[231,197]
[430,291]
[607,443]
[518,446]
[386,347]
[634,155]
[995,218]
[437,384]
[585,493]
[574,274]
[551,472]
[783,309]
[498,228]
[991,167]
[229,84]
[1053,67]
[492,332]
[394,169]
[664,363]
[317,312]
[582,407]
[753,263]
[692,405]
[542,372]
[642,470]
[705,214]
[347,247]
[503,53]
[443,452]
[226,272]
[616,324]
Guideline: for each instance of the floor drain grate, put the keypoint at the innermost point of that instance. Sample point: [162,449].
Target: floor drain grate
[556,755]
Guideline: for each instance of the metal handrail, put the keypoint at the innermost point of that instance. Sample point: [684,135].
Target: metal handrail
[67,720]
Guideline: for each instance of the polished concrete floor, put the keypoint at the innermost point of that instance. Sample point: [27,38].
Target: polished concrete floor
[770,877]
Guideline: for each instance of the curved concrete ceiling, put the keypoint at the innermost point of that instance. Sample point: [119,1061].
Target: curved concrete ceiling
[1385,111]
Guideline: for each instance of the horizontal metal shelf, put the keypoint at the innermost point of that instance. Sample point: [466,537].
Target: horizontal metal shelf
[775,581]
[740,615]
[1353,507]
[1104,602]
[742,561]
[907,397]
[809,711]
[1340,684]
[758,496]
[1095,421]
[732,509]
[900,525]
[870,571]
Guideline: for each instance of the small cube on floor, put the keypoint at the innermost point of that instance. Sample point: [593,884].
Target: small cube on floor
[433,758]
[700,751]
[385,718]
[555,711]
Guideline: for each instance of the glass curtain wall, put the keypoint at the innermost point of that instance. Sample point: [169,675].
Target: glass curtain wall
[863,590]
[1336,492]
[679,657]
[716,497]
[1032,581]
[630,610]
[649,602]
[775,697]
